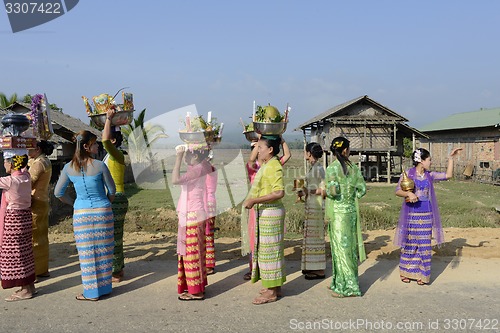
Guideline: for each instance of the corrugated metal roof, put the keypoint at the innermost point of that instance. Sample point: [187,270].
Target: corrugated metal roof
[475,119]
[330,112]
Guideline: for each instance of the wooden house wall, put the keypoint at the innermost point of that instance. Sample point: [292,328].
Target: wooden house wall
[481,149]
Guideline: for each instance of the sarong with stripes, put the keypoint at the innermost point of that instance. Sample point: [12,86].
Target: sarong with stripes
[313,245]
[191,268]
[209,235]
[415,260]
[268,260]
[94,236]
[17,263]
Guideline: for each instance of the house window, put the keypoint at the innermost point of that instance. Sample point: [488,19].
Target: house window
[484,165]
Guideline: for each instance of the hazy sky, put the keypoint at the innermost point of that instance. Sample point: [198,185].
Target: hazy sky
[422,59]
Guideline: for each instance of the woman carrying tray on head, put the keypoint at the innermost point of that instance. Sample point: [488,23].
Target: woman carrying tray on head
[248,215]
[17,263]
[115,160]
[268,261]
[191,260]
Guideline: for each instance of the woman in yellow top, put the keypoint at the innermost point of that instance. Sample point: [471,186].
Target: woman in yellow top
[268,260]
[40,170]
[115,160]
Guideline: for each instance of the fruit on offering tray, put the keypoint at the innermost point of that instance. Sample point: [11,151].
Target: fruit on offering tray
[267,120]
[197,129]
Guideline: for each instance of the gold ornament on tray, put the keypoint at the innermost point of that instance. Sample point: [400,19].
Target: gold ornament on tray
[407,184]
[124,114]
[298,186]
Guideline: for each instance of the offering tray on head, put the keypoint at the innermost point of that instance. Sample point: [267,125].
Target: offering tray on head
[251,136]
[197,137]
[120,118]
[270,128]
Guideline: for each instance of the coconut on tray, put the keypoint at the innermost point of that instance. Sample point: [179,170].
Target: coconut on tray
[267,120]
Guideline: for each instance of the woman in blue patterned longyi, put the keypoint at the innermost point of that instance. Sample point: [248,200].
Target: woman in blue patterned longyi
[92,217]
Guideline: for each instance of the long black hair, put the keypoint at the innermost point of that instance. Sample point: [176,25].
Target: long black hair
[315,150]
[339,144]
[46,147]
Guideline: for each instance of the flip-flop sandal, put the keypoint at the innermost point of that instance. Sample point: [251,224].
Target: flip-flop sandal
[18,297]
[421,283]
[210,271]
[83,298]
[313,276]
[263,300]
[264,290]
[189,297]
[247,276]
[404,279]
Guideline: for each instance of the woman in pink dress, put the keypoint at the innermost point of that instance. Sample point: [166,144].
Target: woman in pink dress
[17,263]
[192,270]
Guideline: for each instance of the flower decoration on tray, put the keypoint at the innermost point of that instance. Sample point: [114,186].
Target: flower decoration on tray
[40,117]
[96,109]
[198,130]
[267,120]
[20,131]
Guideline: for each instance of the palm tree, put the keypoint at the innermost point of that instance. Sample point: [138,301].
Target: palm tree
[140,137]
[5,102]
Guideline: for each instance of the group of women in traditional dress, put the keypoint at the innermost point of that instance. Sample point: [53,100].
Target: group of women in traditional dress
[101,204]
[333,196]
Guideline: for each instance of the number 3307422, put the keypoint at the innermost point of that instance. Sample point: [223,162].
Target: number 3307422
[32,8]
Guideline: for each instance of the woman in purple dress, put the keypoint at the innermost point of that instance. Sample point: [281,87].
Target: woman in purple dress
[419,220]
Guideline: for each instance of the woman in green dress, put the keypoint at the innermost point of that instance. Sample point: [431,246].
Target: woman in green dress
[344,185]
[268,258]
